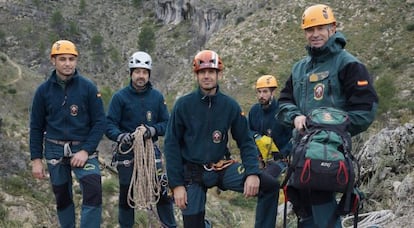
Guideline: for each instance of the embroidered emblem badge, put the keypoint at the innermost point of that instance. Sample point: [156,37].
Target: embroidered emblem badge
[318,91]
[216,136]
[74,110]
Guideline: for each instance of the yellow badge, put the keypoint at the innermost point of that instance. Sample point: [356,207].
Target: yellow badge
[313,78]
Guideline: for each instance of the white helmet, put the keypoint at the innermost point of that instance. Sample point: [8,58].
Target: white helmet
[140,59]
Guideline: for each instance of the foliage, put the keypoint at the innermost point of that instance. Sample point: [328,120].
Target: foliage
[2,36]
[106,93]
[57,22]
[386,92]
[110,186]
[146,39]
[82,6]
[239,20]
[137,3]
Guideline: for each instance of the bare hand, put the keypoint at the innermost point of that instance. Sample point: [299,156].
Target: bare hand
[180,197]
[79,159]
[38,170]
[251,186]
[300,122]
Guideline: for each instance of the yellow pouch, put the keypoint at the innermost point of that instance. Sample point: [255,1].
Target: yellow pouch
[266,147]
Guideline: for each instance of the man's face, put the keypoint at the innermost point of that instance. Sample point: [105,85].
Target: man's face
[65,65]
[317,36]
[207,79]
[264,95]
[139,77]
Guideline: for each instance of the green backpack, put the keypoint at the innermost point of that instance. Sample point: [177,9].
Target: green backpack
[322,159]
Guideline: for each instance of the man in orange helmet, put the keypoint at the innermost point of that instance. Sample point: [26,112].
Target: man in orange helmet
[196,148]
[328,77]
[67,122]
[271,136]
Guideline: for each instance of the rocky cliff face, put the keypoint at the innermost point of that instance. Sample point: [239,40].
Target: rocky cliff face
[204,19]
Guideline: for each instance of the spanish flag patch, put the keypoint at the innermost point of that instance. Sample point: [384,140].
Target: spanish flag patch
[362,83]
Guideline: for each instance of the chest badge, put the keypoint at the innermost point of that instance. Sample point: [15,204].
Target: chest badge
[318,91]
[74,110]
[216,136]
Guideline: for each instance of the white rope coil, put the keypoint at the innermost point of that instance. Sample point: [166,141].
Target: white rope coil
[145,187]
[370,219]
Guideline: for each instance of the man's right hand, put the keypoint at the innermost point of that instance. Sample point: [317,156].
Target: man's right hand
[180,197]
[300,122]
[125,138]
[38,170]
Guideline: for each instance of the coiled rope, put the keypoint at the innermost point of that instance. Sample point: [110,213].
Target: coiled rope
[145,186]
[370,219]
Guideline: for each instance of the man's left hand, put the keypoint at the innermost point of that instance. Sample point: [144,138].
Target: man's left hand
[79,159]
[251,186]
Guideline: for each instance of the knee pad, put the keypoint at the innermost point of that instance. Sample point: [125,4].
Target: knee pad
[268,182]
[91,190]
[63,195]
[196,220]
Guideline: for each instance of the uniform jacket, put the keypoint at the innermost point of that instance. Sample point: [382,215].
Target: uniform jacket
[330,77]
[197,132]
[262,121]
[72,113]
[129,108]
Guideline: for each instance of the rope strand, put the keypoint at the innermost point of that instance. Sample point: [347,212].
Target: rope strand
[371,219]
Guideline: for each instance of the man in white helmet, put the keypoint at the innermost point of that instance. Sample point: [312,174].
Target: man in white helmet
[138,105]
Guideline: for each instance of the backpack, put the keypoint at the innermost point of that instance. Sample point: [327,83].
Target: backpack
[321,158]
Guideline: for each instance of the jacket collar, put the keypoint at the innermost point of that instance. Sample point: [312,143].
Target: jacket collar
[335,44]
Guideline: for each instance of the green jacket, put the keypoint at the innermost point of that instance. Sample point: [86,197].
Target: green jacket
[330,77]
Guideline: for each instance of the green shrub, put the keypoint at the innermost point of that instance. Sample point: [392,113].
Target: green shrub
[82,6]
[57,21]
[386,91]
[410,27]
[110,186]
[239,20]
[146,39]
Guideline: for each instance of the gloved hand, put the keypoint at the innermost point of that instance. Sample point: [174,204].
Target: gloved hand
[125,138]
[266,146]
[149,132]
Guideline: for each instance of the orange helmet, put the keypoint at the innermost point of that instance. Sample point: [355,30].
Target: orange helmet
[317,15]
[207,59]
[63,47]
[266,81]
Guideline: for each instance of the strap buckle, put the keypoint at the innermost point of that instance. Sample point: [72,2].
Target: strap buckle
[218,166]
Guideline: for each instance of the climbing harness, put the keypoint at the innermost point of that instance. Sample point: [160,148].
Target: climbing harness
[67,151]
[370,219]
[220,165]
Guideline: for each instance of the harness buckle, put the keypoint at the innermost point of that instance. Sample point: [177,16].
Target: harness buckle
[218,166]
[54,161]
